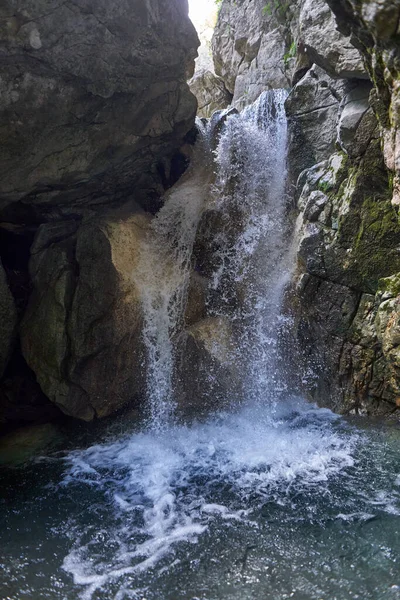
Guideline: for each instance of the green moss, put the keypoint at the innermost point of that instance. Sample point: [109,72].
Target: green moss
[375,250]
[390,285]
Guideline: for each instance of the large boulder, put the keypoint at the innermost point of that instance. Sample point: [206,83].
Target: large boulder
[92,95]
[252,44]
[81,333]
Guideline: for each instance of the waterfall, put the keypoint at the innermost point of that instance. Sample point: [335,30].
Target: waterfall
[243,181]
[255,258]
[163,278]
[289,502]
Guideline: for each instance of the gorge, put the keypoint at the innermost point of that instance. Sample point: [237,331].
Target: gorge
[184,303]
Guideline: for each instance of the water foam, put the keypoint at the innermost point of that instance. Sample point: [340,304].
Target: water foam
[167,489]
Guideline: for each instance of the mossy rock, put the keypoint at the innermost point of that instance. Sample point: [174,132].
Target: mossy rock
[389,287]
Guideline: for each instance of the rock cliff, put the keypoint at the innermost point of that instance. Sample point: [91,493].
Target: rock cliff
[94,107]
[93,96]
[341,61]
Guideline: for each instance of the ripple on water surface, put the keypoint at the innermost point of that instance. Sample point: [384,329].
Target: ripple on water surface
[294,504]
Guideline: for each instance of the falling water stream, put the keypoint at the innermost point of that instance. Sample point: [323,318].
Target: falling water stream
[266,498]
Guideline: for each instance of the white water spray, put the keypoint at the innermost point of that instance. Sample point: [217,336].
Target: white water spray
[164,277]
[254,262]
[251,268]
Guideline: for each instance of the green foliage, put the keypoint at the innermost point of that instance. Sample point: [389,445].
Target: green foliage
[291,53]
[324,186]
[267,10]
[277,7]
[218,4]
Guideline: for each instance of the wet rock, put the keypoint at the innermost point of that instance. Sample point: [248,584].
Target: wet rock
[93,95]
[81,334]
[197,297]
[207,375]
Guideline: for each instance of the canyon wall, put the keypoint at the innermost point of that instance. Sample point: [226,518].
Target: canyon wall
[94,107]
[341,62]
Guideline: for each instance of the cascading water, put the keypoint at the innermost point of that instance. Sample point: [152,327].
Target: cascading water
[251,266]
[163,278]
[249,503]
[255,258]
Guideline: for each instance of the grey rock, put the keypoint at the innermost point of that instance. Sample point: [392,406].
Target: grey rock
[357,122]
[374,29]
[92,95]
[312,108]
[317,201]
[81,333]
[325,45]
[250,45]
[210,92]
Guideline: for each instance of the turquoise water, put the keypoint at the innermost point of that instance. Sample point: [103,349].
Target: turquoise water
[259,503]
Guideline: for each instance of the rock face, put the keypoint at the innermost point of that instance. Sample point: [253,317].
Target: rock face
[93,95]
[325,45]
[342,59]
[210,92]
[81,333]
[374,30]
[260,45]
[94,107]
[250,44]
[349,242]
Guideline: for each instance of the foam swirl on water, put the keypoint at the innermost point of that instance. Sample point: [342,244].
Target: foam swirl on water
[166,489]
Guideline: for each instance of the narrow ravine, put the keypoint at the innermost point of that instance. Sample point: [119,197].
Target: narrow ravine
[265,497]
